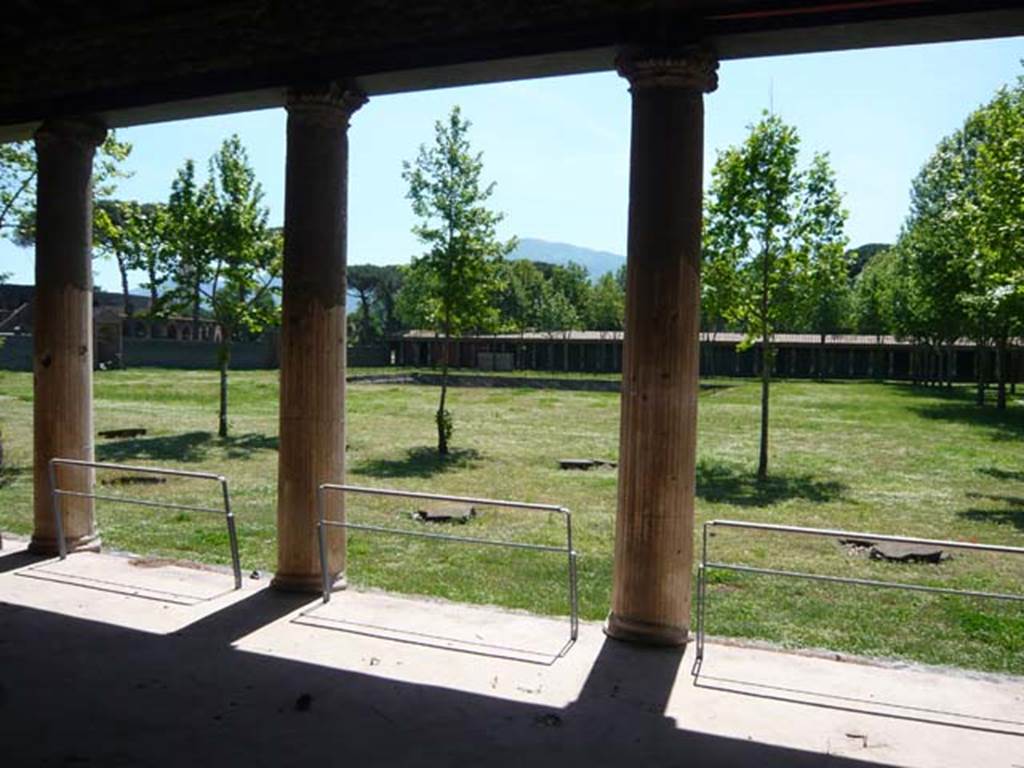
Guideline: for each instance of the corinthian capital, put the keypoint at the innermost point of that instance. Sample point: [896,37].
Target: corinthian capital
[332,103]
[86,132]
[694,68]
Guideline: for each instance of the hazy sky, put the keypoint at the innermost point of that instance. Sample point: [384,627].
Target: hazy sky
[559,147]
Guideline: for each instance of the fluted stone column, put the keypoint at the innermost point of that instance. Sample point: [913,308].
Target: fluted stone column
[658,431]
[62,329]
[312,408]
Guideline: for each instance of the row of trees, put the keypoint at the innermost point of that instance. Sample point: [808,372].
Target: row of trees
[957,270]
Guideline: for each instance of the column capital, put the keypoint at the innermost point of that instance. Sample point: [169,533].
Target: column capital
[331,102]
[694,68]
[87,132]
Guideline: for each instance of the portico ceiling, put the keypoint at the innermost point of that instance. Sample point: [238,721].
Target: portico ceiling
[141,61]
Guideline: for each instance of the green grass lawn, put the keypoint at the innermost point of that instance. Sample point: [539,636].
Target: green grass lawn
[860,456]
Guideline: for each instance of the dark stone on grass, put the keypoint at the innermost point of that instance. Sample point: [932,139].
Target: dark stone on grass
[445,513]
[896,552]
[585,464]
[116,433]
[133,480]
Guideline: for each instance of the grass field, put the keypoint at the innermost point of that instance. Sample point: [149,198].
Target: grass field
[861,456]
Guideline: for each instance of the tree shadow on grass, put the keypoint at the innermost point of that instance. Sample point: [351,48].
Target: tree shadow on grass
[957,405]
[10,473]
[422,461]
[188,447]
[721,483]
[244,446]
[1012,514]
[1002,474]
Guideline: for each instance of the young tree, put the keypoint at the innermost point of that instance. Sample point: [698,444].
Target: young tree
[190,211]
[825,287]
[225,253]
[765,219]
[458,272]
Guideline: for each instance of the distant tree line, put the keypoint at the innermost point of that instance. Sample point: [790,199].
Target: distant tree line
[522,296]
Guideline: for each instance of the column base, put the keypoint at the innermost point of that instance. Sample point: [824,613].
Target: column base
[644,632]
[307,583]
[47,545]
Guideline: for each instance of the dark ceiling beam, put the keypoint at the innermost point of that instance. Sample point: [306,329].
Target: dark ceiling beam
[198,58]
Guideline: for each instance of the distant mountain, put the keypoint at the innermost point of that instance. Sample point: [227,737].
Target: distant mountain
[596,262]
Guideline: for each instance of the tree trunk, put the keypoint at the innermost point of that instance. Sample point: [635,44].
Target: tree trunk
[821,359]
[979,397]
[762,461]
[196,302]
[442,434]
[1001,374]
[123,269]
[224,359]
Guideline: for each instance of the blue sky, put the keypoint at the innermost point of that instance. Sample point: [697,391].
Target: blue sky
[559,147]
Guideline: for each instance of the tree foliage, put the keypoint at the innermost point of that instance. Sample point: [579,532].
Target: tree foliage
[223,258]
[457,276]
[774,243]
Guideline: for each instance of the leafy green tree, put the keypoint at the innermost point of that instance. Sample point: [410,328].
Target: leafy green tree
[18,184]
[573,282]
[872,299]
[132,233]
[606,305]
[825,287]
[226,258]
[520,295]
[457,276]
[190,211]
[557,313]
[996,296]
[765,221]
[859,257]
[361,282]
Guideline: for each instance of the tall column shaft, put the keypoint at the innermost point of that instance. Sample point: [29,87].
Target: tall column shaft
[312,407]
[62,329]
[658,428]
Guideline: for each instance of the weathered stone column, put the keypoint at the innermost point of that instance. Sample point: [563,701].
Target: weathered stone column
[312,408]
[62,329]
[658,431]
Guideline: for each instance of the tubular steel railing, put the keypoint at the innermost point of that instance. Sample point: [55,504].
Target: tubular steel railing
[706,565]
[567,550]
[229,517]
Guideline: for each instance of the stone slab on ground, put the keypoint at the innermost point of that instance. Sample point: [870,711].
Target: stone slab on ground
[259,678]
[897,552]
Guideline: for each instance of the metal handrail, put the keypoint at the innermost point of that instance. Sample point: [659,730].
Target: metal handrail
[323,523]
[57,493]
[706,565]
